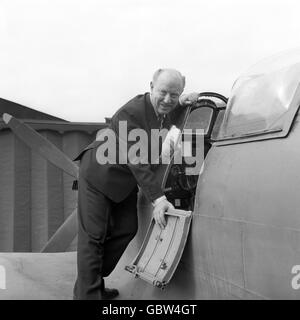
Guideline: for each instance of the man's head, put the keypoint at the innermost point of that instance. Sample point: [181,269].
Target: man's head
[166,87]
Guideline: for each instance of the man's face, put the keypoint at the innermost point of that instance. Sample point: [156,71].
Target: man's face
[165,93]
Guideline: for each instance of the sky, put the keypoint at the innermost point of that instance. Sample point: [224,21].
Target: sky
[81,60]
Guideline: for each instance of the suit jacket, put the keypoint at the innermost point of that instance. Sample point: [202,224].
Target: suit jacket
[117,181]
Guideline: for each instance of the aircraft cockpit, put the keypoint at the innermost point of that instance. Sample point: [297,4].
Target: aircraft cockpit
[207,115]
[263,101]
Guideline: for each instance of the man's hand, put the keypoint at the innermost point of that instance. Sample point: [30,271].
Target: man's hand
[161,205]
[188,98]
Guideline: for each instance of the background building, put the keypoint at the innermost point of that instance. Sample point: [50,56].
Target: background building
[35,196]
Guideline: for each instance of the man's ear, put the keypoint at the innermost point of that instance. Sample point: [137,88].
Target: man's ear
[151,85]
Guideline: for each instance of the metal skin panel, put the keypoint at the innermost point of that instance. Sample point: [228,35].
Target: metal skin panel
[256,187]
[270,254]
[218,258]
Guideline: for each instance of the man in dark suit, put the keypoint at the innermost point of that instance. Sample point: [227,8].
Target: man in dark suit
[107,194]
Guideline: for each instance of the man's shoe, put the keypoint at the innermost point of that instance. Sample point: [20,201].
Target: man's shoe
[108,294]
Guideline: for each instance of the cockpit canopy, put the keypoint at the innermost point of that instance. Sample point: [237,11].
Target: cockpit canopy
[262,97]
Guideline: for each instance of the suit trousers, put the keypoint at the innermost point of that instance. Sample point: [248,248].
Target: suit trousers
[105,228]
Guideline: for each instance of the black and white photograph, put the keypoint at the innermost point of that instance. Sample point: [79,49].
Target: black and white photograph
[148,152]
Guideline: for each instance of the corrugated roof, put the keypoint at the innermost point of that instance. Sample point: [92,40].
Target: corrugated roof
[60,126]
[21,112]
[43,121]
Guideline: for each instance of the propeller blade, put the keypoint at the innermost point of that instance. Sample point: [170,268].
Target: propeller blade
[41,145]
[65,234]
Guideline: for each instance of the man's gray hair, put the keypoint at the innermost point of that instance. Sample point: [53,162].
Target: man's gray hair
[176,73]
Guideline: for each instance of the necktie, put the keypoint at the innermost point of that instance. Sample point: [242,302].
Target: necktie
[161,119]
